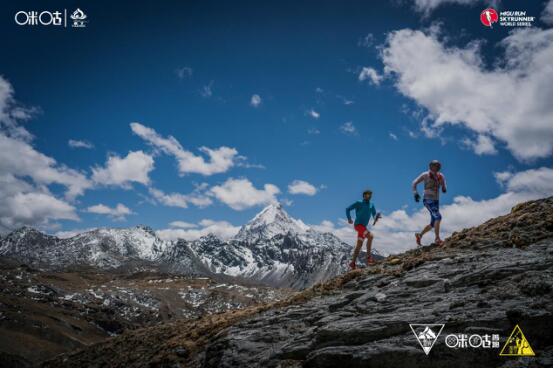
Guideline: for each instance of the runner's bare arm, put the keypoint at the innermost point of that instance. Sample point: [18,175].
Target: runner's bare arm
[416,182]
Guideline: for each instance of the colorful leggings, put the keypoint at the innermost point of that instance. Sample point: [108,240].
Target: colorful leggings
[432,206]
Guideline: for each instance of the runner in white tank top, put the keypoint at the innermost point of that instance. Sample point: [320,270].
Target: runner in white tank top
[432,180]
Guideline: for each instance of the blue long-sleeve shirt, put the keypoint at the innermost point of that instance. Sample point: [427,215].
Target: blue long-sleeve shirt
[364,210]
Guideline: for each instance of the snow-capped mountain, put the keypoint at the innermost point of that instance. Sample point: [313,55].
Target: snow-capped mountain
[272,248]
[271,221]
[276,249]
[104,247]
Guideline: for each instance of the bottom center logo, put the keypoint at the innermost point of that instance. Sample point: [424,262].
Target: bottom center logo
[426,335]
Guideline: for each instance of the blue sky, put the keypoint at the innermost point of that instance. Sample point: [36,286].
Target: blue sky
[189,70]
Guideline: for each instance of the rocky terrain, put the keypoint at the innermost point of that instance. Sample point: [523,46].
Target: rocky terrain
[485,280]
[45,313]
[272,248]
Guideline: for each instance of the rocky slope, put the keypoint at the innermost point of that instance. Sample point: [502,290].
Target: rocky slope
[485,280]
[272,249]
[43,314]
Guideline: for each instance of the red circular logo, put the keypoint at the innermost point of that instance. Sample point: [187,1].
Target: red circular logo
[488,17]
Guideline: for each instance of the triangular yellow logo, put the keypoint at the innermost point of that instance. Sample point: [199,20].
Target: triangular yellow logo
[517,344]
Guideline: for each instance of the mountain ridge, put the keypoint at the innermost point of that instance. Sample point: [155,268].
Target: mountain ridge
[272,248]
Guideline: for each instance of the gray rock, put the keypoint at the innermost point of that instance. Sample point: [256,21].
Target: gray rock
[366,323]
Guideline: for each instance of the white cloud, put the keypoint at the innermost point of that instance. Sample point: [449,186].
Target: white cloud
[394,232]
[80,144]
[30,206]
[393,136]
[370,75]
[222,229]
[538,181]
[20,159]
[12,113]
[171,200]
[255,100]
[135,167]
[348,128]
[302,187]
[240,194]
[23,203]
[184,72]
[220,159]
[511,103]
[26,174]
[503,177]
[482,145]
[314,114]
[117,213]
[181,200]
[182,225]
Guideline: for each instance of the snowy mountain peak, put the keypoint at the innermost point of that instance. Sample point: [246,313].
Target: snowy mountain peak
[269,213]
[271,221]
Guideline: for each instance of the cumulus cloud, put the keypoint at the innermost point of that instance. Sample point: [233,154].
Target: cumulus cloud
[220,159]
[482,145]
[370,75]
[511,103]
[24,203]
[539,181]
[12,113]
[20,159]
[302,187]
[255,101]
[26,174]
[394,233]
[198,198]
[135,167]
[29,207]
[80,144]
[241,194]
[179,230]
[348,128]
[117,213]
